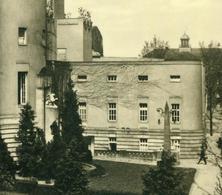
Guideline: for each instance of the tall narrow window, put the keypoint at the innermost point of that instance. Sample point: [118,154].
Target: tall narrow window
[22,87]
[175,113]
[112,112]
[82,111]
[143,144]
[143,112]
[112,144]
[22,36]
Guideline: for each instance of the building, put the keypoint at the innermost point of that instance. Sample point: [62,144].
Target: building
[74,39]
[24,49]
[121,103]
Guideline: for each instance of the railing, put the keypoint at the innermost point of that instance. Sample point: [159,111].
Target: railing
[132,155]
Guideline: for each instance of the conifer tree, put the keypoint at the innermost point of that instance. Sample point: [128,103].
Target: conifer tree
[32,143]
[55,151]
[71,126]
[70,178]
[7,167]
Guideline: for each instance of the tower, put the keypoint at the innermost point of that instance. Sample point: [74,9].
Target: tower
[184,43]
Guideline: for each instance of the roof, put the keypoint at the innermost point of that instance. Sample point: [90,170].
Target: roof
[184,36]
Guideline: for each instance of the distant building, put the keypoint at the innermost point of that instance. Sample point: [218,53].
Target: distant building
[121,104]
[23,52]
[74,40]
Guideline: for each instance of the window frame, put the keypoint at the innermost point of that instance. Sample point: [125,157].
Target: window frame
[83,111]
[175,113]
[22,87]
[22,40]
[112,80]
[82,79]
[112,112]
[143,144]
[143,112]
[64,55]
[112,140]
[143,80]
[175,80]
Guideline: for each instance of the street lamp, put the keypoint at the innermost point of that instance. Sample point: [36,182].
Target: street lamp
[45,80]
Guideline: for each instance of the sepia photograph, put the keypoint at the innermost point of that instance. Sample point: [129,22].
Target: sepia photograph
[117,97]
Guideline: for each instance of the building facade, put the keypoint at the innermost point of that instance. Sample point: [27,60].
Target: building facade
[23,46]
[74,39]
[121,104]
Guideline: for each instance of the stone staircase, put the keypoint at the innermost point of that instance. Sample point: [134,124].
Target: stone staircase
[9,128]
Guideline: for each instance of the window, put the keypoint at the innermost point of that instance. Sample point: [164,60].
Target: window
[22,36]
[82,110]
[143,144]
[82,78]
[175,113]
[112,78]
[175,145]
[112,112]
[143,111]
[142,78]
[61,54]
[174,78]
[112,144]
[22,87]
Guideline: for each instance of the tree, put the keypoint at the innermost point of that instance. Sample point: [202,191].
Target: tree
[155,48]
[7,167]
[32,144]
[212,59]
[70,176]
[54,151]
[164,179]
[71,125]
[97,40]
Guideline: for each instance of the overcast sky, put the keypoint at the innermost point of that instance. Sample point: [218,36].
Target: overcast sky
[126,24]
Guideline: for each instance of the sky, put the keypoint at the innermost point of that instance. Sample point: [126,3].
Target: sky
[126,24]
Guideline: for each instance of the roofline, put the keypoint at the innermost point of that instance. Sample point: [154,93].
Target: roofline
[138,62]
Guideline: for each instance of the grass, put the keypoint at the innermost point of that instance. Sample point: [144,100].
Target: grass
[110,178]
[125,178]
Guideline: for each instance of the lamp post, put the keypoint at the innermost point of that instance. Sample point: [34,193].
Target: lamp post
[45,80]
[166,114]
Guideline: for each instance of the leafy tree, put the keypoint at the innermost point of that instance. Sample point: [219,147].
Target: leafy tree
[212,59]
[155,48]
[97,40]
[7,167]
[164,179]
[70,177]
[32,144]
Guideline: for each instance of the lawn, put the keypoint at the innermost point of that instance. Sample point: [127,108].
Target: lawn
[111,178]
[125,178]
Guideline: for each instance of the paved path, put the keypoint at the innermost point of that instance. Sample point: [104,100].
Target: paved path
[205,178]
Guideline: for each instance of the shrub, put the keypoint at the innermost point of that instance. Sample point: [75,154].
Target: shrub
[164,179]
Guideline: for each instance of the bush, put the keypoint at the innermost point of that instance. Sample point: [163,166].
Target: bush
[32,144]
[164,179]
[70,177]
